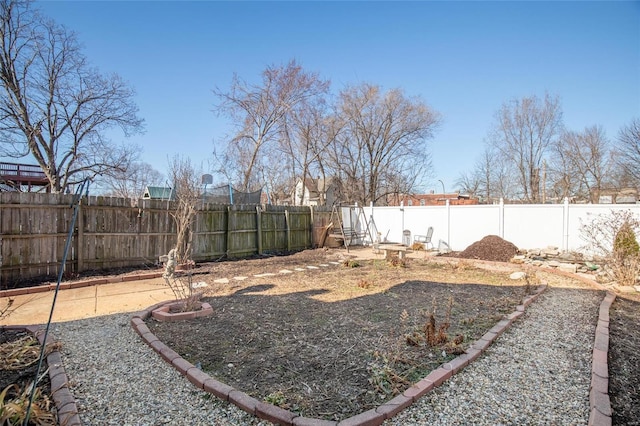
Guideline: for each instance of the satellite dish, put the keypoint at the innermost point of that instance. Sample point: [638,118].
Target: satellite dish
[207,179]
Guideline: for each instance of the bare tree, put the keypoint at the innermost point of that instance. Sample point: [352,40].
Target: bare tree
[186,185]
[523,132]
[260,111]
[628,146]
[382,148]
[308,133]
[54,106]
[490,179]
[468,183]
[583,163]
[131,183]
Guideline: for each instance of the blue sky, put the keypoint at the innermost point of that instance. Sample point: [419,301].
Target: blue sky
[464,59]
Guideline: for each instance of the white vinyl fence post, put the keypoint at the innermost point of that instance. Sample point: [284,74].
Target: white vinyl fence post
[565,225]
[448,207]
[501,218]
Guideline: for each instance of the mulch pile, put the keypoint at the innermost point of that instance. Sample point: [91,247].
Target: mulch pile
[491,248]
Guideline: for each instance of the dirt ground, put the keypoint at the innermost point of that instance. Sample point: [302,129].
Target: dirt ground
[334,343]
[624,360]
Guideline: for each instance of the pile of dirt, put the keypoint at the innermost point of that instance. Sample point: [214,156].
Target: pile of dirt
[491,248]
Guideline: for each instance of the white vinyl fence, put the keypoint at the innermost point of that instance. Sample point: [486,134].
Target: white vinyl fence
[527,226]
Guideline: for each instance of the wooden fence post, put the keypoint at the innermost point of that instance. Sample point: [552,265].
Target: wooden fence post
[229,223]
[259,229]
[288,225]
[80,245]
[311,225]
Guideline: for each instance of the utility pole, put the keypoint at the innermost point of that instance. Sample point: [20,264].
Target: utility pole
[544,181]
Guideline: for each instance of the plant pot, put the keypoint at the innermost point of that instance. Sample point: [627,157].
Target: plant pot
[173,311]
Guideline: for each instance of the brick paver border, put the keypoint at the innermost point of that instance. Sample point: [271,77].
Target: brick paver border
[599,400]
[62,397]
[277,415]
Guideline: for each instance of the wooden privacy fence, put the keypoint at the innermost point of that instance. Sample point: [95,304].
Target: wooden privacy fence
[114,232]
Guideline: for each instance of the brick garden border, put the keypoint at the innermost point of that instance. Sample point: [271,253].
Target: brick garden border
[78,284]
[63,399]
[599,401]
[373,417]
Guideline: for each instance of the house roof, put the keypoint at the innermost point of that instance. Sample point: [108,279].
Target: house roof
[318,185]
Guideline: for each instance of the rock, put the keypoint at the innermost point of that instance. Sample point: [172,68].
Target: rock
[519,259]
[518,275]
[551,252]
[568,256]
[537,263]
[568,267]
[553,263]
[624,288]
[637,287]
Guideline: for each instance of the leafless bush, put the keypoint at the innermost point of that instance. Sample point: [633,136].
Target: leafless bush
[187,195]
[182,287]
[612,238]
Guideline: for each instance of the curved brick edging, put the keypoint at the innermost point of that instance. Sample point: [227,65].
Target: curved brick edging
[164,314]
[373,417]
[63,399]
[599,401]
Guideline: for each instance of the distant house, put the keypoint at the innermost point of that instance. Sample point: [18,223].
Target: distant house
[159,193]
[618,196]
[432,199]
[315,192]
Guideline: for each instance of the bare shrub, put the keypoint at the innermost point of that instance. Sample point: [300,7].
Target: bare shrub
[182,287]
[187,195]
[612,237]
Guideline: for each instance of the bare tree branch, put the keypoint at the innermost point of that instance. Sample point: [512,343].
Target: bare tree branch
[382,148]
[523,132]
[261,112]
[53,105]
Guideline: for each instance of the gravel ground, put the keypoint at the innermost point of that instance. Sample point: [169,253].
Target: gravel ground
[537,372]
[118,380]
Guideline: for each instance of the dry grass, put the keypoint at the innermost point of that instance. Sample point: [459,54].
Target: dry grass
[19,354]
[335,343]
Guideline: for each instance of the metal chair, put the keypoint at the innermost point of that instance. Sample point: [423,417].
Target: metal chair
[425,239]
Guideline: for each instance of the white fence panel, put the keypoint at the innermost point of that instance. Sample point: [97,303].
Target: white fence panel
[535,225]
[468,224]
[527,226]
[584,214]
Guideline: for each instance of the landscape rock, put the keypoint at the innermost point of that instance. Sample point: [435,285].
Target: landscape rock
[568,267]
[518,275]
[551,252]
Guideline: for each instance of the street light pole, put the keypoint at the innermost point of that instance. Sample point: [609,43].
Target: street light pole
[443,191]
